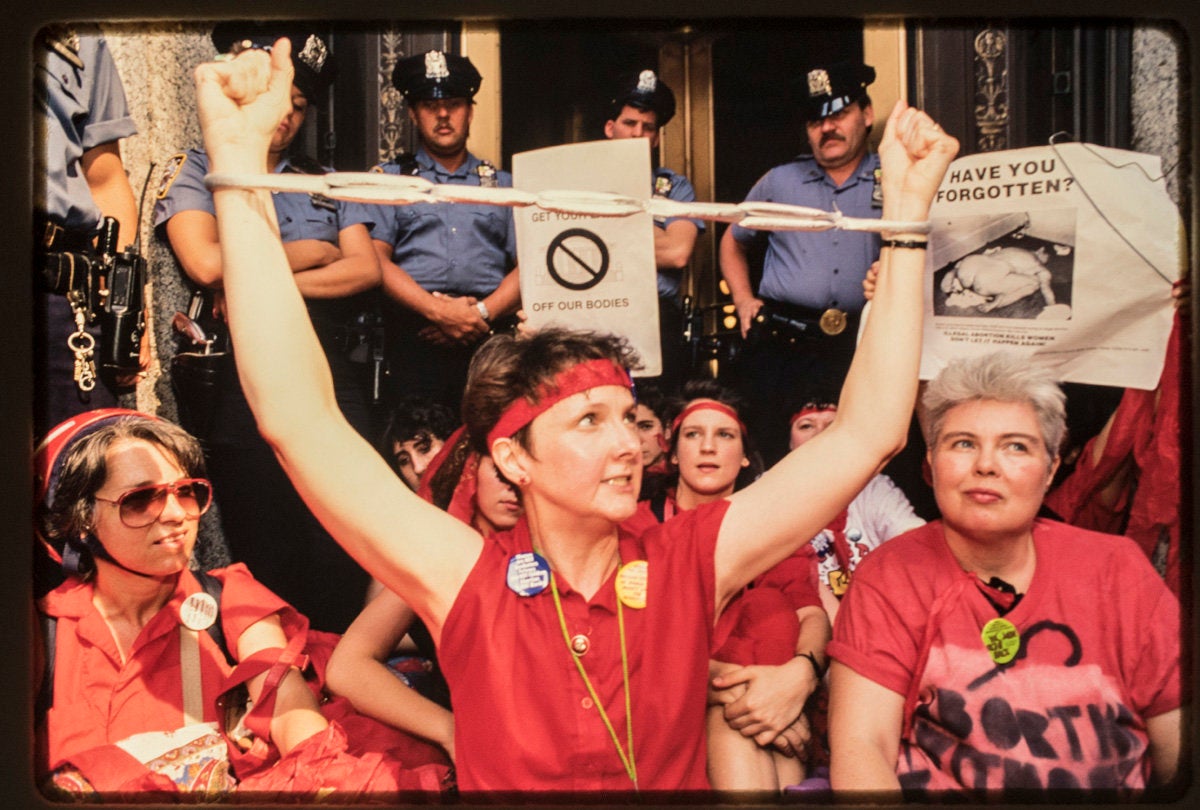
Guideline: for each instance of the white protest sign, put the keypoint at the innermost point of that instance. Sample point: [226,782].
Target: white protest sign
[1065,253]
[583,271]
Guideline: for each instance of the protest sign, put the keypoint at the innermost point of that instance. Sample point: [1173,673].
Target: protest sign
[583,271]
[1064,252]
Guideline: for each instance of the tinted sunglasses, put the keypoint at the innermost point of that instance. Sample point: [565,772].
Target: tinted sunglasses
[142,506]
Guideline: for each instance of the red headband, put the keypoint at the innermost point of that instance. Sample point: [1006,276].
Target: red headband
[708,405]
[807,409]
[577,378]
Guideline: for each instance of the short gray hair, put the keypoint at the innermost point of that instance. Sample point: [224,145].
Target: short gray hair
[1001,376]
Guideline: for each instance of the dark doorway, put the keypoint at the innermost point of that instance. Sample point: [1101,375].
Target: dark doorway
[756,66]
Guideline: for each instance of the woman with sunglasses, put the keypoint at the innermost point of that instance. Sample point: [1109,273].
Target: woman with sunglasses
[576,653]
[135,663]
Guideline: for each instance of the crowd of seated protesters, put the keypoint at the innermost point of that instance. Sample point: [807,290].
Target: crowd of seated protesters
[763,566]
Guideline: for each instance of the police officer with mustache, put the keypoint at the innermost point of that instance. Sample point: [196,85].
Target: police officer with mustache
[801,322]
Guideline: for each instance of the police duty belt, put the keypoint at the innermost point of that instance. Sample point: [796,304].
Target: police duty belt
[377,187]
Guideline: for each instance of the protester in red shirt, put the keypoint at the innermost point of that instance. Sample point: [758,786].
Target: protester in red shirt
[769,643]
[141,651]
[575,653]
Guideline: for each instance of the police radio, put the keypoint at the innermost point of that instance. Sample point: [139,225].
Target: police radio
[122,303]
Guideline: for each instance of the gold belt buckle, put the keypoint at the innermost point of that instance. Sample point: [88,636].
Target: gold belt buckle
[833,321]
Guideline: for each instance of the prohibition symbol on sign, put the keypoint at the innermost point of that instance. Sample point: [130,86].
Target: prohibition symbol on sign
[577,259]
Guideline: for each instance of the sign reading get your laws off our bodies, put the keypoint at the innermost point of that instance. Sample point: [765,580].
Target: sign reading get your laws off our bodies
[584,271]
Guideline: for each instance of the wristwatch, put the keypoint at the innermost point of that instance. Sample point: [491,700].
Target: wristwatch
[483,311]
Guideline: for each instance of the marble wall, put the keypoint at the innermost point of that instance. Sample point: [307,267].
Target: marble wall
[1161,120]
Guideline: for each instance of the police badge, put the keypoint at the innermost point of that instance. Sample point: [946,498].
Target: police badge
[435,65]
[314,53]
[487,175]
[818,83]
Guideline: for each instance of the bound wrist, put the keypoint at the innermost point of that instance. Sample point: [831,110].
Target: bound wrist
[816,664]
[482,309]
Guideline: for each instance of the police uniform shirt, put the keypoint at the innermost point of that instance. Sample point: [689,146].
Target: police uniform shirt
[78,109]
[673,186]
[817,269]
[455,248]
[300,216]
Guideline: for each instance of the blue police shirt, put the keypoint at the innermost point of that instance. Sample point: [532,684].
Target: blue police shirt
[455,248]
[818,269]
[77,109]
[301,216]
[673,186]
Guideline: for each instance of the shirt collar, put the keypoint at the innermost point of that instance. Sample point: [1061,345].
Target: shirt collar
[427,163]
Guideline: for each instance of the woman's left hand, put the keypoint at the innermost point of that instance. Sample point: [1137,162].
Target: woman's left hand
[241,101]
[774,698]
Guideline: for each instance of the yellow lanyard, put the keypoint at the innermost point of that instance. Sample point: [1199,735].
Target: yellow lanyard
[630,762]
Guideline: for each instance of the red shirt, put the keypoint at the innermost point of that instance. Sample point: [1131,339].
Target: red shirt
[100,701]
[1099,639]
[523,718]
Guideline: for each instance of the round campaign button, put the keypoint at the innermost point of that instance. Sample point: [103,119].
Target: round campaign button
[1002,640]
[580,644]
[631,583]
[528,573]
[198,611]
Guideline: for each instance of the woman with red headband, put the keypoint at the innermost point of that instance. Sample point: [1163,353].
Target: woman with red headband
[576,653]
[769,643]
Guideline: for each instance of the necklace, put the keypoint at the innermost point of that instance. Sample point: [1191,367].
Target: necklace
[629,761]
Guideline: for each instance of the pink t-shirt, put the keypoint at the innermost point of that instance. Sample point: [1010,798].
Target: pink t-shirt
[1099,654]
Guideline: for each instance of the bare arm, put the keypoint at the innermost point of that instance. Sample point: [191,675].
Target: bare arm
[864,733]
[1164,730]
[109,185]
[798,497]
[297,716]
[358,671]
[457,318]
[283,370]
[735,268]
[775,695]
[506,298]
[355,268]
[673,245]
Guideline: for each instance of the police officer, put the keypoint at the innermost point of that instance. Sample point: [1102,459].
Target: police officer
[641,106]
[328,244]
[448,269]
[802,322]
[81,112]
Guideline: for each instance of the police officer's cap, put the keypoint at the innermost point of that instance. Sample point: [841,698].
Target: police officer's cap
[644,91]
[311,57]
[828,89]
[436,74]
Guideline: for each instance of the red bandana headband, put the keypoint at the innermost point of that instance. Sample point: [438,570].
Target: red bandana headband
[708,405]
[577,378]
[811,409]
